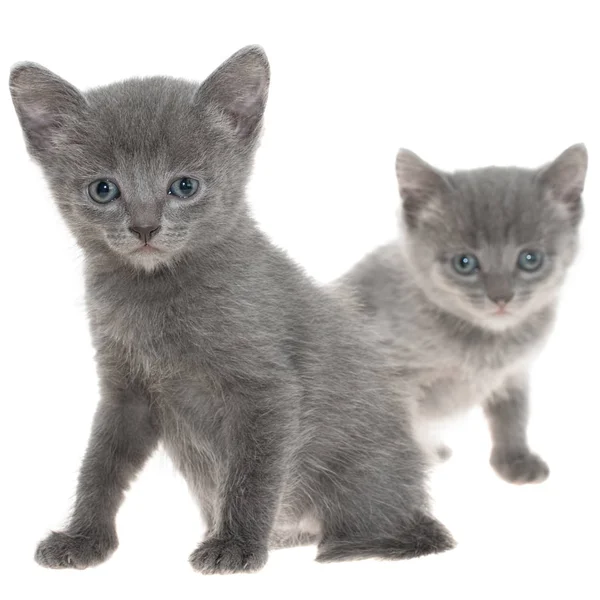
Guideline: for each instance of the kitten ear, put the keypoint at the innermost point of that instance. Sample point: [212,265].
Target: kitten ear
[420,185]
[43,102]
[564,178]
[238,90]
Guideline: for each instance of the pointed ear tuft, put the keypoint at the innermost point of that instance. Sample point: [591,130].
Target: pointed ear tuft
[239,89]
[420,185]
[564,179]
[43,102]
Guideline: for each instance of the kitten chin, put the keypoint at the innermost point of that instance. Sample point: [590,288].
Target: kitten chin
[499,322]
[149,259]
[143,257]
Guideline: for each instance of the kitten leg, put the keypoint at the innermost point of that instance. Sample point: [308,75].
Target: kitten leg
[507,412]
[249,493]
[122,438]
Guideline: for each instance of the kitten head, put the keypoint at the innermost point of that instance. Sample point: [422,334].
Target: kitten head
[147,170]
[491,245]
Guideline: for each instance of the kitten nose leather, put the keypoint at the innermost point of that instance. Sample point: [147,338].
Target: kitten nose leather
[501,299]
[499,287]
[145,233]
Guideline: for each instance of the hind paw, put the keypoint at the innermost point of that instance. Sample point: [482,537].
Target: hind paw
[443,452]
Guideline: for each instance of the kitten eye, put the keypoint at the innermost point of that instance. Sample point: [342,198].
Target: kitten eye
[103,191]
[465,264]
[530,260]
[185,187]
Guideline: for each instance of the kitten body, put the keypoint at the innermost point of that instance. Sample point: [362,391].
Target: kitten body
[469,339]
[266,392]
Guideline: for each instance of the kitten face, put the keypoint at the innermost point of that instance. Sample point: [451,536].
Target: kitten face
[492,245]
[146,170]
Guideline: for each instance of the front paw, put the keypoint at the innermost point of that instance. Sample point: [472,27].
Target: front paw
[228,556]
[519,466]
[75,550]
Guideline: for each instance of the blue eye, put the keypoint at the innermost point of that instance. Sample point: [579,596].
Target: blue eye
[465,264]
[185,187]
[103,191]
[530,260]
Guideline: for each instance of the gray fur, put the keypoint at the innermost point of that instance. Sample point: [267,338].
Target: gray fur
[464,341]
[267,393]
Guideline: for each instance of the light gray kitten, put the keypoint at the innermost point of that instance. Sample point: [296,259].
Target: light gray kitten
[266,393]
[467,296]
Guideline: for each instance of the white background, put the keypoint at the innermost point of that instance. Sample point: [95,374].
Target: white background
[464,86]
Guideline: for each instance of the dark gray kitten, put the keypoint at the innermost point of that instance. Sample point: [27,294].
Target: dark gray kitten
[265,392]
[467,297]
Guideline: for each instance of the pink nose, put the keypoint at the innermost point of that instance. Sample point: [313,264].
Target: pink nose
[501,299]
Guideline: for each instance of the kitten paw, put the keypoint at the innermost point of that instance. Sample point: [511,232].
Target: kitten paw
[62,550]
[228,556]
[519,466]
[443,453]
